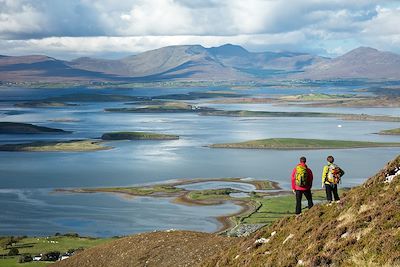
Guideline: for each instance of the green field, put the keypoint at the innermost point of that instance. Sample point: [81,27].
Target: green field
[138,136]
[273,208]
[295,143]
[37,245]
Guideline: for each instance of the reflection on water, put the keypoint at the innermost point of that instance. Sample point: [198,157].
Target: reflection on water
[38,212]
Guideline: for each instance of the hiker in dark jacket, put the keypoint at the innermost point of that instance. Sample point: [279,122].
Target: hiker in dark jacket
[331,175]
[302,178]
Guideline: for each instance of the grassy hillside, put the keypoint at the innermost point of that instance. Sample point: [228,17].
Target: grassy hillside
[361,230]
[297,143]
[169,248]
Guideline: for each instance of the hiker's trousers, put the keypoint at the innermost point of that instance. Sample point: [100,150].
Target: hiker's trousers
[331,189]
[299,195]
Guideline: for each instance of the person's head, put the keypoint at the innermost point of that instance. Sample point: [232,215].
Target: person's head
[330,159]
[303,159]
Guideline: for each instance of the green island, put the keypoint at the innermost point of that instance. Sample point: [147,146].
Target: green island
[82,97]
[56,146]
[26,128]
[28,247]
[296,143]
[64,120]
[199,95]
[165,107]
[44,104]
[390,132]
[138,136]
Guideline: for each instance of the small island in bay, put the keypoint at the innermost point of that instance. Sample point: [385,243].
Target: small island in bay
[44,104]
[166,107]
[85,97]
[64,120]
[390,132]
[138,136]
[56,146]
[296,143]
[26,128]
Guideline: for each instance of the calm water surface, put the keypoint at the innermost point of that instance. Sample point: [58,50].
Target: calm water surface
[30,207]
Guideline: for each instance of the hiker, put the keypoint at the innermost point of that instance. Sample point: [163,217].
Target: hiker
[331,175]
[302,178]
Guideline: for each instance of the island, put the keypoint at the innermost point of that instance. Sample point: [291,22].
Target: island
[26,128]
[44,104]
[138,136]
[85,97]
[166,107]
[297,143]
[56,146]
[64,120]
[390,132]
[199,95]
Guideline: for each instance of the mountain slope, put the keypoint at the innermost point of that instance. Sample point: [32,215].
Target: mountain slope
[39,68]
[362,230]
[237,57]
[362,62]
[173,62]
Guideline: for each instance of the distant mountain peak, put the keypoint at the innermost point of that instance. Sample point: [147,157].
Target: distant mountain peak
[229,50]
[362,50]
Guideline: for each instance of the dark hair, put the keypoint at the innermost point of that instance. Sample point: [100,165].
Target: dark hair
[303,159]
[330,159]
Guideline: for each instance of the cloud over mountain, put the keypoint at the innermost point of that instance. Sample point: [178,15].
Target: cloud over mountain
[104,26]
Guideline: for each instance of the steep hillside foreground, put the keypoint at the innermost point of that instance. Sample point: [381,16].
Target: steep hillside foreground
[362,230]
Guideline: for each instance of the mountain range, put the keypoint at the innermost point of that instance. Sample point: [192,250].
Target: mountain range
[197,63]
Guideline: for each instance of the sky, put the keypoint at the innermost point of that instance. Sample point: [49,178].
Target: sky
[68,29]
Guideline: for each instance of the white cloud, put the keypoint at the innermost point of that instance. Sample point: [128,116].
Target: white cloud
[97,27]
[19,17]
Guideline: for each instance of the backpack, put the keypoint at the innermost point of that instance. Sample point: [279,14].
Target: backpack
[334,174]
[301,176]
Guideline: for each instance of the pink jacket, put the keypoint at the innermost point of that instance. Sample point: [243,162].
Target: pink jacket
[310,179]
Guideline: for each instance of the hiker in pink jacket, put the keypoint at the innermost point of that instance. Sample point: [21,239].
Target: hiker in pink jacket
[302,178]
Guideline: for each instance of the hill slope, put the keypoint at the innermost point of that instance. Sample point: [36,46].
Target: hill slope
[362,62]
[362,230]
[172,62]
[38,68]
[175,248]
